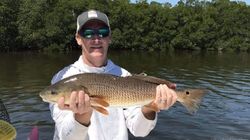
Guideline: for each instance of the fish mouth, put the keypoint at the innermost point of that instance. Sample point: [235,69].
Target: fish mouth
[44,98]
[41,95]
[48,101]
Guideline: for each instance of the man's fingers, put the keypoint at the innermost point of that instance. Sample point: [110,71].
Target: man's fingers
[73,101]
[164,94]
[79,102]
[87,101]
[158,95]
[165,97]
[81,99]
[60,103]
[174,97]
[83,104]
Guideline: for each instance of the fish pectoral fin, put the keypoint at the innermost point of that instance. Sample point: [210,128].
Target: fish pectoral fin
[152,106]
[100,109]
[98,101]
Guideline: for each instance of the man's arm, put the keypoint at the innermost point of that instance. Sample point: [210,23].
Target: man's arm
[140,121]
[72,120]
[66,127]
[137,123]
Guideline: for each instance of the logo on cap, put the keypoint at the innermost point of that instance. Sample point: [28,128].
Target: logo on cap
[92,14]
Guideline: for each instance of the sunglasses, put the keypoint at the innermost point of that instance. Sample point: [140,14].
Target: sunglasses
[90,33]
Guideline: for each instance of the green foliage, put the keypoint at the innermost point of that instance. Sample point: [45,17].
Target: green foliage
[8,26]
[50,25]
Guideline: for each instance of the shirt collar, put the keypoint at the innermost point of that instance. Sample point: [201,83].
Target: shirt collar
[86,68]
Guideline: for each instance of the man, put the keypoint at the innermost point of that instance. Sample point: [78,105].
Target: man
[78,120]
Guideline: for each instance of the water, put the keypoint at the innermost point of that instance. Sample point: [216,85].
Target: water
[224,113]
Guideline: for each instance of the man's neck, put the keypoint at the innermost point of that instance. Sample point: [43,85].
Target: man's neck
[95,63]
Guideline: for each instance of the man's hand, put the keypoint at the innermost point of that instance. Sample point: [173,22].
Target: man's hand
[79,104]
[165,98]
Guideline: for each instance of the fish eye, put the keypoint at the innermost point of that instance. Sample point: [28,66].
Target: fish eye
[53,92]
[187,92]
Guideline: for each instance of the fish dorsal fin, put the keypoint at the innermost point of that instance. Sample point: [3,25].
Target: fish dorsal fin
[154,80]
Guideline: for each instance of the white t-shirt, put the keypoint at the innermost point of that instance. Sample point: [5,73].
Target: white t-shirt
[112,127]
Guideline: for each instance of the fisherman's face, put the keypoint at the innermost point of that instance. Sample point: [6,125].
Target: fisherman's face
[94,46]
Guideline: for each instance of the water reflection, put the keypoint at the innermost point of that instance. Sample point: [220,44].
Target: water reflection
[224,112]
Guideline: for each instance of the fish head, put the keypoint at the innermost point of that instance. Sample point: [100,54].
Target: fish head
[63,88]
[52,93]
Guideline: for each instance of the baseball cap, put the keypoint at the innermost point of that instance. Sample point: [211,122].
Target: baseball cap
[90,15]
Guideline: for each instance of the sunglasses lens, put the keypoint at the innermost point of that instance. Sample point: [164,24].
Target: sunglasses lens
[103,32]
[89,33]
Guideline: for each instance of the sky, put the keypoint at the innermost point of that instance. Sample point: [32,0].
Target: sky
[174,2]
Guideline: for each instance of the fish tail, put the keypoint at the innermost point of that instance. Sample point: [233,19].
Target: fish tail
[191,98]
